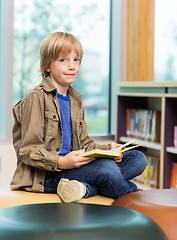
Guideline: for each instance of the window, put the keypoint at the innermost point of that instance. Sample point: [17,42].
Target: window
[6,61]
[165,66]
[90,22]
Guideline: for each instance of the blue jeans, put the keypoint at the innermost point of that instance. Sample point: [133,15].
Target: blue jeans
[103,176]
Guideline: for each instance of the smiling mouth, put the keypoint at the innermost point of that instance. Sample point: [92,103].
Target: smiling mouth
[70,74]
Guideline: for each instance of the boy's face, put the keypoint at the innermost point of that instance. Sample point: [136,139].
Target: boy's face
[64,70]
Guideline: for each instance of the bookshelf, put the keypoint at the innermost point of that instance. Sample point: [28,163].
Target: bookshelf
[167,105]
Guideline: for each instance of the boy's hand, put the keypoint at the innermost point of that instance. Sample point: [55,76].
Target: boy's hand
[73,160]
[115,145]
[118,159]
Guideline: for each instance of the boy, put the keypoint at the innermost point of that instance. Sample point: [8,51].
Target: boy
[50,133]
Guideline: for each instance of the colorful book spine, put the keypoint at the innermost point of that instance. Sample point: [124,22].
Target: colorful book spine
[150,176]
[143,124]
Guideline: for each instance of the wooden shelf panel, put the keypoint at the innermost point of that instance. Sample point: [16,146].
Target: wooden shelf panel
[145,84]
[171,150]
[143,143]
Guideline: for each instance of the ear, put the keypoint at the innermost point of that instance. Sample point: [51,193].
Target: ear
[48,70]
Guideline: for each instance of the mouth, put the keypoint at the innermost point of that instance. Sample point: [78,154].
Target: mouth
[70,74]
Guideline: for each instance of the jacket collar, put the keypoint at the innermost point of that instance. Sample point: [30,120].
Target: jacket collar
[49,87]
[75,94]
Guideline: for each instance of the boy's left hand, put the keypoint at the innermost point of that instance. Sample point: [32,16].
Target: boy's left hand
[112,146]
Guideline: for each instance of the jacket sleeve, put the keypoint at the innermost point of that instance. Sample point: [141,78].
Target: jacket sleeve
[29,142]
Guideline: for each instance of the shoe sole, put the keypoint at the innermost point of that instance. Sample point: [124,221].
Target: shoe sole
[70,191]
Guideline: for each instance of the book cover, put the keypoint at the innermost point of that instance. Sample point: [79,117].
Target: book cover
[175,136]
[113,153]
[173,182]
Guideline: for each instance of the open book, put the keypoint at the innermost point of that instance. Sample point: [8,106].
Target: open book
[113,153]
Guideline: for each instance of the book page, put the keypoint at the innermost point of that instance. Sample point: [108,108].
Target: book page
[113,153]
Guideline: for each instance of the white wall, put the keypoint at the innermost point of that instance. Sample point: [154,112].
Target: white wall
[7,162]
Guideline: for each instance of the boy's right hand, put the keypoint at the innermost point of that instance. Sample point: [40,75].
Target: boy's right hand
[73,160]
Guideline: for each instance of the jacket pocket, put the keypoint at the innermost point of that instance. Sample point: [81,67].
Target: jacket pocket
[80,126]
[51,124]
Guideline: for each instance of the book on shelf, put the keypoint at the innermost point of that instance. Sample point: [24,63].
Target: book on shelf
[173,182]
[143,124]
[149,177]
[175,136]
[113,153]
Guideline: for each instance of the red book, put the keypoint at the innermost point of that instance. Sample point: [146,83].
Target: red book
[173,183]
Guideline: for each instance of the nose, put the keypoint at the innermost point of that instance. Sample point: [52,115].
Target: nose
[71,65]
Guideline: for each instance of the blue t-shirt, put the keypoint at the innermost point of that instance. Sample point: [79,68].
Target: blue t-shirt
[65,111]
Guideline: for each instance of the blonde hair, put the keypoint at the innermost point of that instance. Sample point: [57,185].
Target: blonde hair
[55,45]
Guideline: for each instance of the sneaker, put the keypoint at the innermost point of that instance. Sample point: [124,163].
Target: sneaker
[70,191]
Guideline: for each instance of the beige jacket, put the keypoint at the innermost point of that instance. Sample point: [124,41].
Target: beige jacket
[37,134]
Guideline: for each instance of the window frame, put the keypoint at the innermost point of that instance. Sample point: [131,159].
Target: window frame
[115,42]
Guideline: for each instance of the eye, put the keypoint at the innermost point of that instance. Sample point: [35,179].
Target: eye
[77,60]
[62,60]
